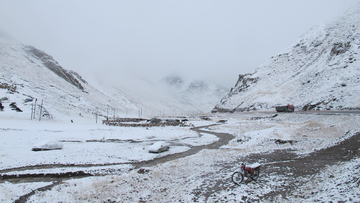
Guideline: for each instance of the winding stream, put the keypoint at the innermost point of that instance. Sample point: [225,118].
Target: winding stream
[58,178]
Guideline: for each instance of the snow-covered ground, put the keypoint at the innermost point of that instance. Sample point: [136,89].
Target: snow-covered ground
[257,131]
[85,143]
[202,177]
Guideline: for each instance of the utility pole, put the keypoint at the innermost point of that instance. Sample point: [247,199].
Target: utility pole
[96,114]
[107,112]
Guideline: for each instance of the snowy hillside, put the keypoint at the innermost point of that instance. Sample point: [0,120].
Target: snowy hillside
[28,73]
[33,74]
[320,71]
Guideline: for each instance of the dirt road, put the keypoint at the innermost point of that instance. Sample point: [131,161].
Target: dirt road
[284,165]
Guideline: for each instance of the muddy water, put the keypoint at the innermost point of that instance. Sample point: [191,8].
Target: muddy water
[24,198]
[54,166]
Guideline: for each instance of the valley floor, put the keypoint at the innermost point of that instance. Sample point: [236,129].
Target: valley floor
[304,158]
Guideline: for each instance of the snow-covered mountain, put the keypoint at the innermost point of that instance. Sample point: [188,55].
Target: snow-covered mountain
[29,73]
[200,93]
[320,71]
[33,74]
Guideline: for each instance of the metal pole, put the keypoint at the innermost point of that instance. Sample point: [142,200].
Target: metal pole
[107,113]
[35,108]
[96,114]
[32,108]
[41,110]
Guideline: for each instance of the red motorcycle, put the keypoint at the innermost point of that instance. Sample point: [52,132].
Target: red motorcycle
[252,171]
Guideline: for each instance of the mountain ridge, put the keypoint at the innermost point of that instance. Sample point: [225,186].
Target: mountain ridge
[27,72]
[319,72]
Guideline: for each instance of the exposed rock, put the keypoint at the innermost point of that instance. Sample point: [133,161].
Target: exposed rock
[54,66]
[340,48]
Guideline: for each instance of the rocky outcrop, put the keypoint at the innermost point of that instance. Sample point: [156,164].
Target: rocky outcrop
[243,83]
[54,66]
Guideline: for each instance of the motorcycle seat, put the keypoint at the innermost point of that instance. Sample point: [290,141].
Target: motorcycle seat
[254,165]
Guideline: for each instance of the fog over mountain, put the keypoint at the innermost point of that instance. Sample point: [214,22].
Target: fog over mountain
[30,73]
[320,71]
[213,39]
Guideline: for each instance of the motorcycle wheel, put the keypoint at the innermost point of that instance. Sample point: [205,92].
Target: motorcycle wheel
[237,178]
[255,175]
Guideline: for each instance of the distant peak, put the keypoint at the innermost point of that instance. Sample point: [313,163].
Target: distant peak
[5,35]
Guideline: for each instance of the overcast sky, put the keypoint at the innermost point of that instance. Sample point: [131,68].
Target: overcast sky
[154,38]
